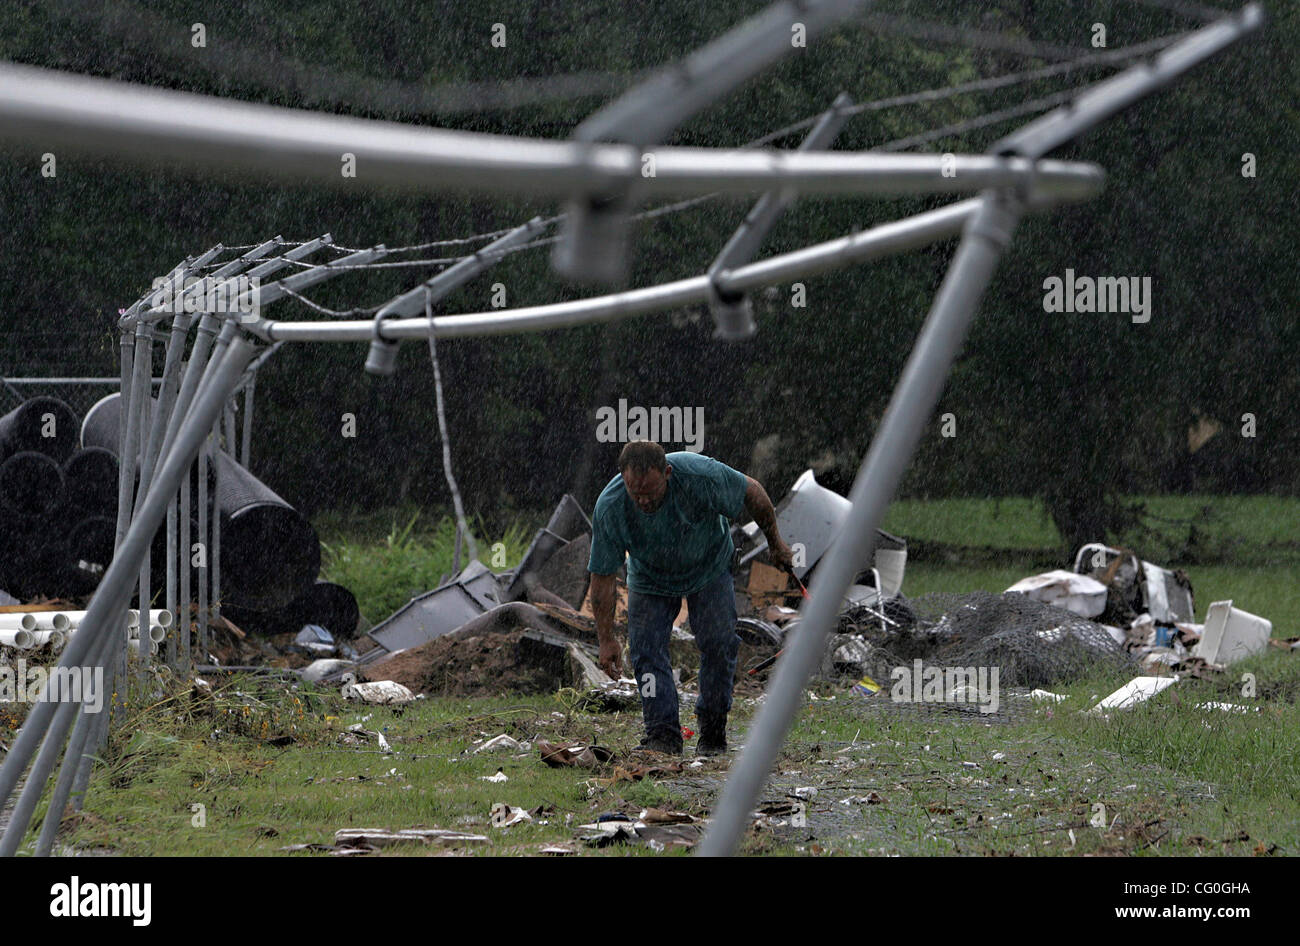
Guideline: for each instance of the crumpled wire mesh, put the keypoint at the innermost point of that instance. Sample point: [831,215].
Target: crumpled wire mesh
[1031,643]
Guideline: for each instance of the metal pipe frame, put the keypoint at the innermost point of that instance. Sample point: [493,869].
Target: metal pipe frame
[1106,98]
[259,271]
[74,758]
[47,724]
[595,234]
[36,101]
[147,422]
[986,235]
[649,111]
[246,445]
[208,528]
[122,119]
[183,613]
[733,316]
[887,239]
[172,553]
[214,443]
[382,358]
[203,575]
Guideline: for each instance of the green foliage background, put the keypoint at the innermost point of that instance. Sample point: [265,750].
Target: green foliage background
[1075,409]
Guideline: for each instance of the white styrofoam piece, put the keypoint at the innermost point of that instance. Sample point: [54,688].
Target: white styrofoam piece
[1138,690]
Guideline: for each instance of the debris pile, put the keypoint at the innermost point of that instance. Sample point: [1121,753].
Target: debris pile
[467,663]
[531,629]
[1032,644]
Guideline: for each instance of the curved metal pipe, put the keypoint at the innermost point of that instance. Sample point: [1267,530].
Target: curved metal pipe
[117,118]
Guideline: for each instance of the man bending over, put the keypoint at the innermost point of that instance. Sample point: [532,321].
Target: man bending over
[668,514]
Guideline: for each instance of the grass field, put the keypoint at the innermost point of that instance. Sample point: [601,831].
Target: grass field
[267,763]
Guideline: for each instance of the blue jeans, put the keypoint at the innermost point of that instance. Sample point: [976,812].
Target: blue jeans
[712,612]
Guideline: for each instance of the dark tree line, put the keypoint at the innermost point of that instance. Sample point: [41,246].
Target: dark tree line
[1081,409]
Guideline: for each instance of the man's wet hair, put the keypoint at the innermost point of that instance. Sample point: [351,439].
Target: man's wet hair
[642,455]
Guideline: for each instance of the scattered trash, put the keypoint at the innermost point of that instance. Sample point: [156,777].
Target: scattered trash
[1227,707]
[663,816]
[1045,695]
[661,837]
[1231,634]
[1137,690]
[382,692]
[364,840]
[318,670]
[444,609]
[503,815]
[316,640]
[635,772]
[871,798]
[1076,593]
[866,687]
[576,756]
[567,523]
[1135,586]
[502,741]
[622,833]
[499,776]
[613,696]
[812,516]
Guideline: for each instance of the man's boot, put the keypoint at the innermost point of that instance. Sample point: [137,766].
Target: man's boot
[713,734]
[664,741]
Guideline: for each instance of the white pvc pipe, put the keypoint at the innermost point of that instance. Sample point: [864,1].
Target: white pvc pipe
[35,621]
[159,616]
[16,638]
[50,637]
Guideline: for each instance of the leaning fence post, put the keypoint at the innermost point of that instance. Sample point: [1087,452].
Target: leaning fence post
[986,235]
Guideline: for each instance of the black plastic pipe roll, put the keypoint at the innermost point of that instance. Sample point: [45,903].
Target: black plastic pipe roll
[331,606]
[260,623]
[270,553]
[43,569]
[99,428]
[31,485]
[90,549]
[40,424]
[90,481]
[19,538]
[91,541]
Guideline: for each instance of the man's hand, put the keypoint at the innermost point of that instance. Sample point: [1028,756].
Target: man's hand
[759,505]
[781,556]
[603,593]
[611,657]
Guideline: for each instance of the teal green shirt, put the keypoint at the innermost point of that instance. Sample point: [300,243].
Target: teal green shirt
[681,546]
